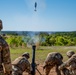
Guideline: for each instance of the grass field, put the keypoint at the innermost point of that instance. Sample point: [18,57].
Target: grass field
[42,52]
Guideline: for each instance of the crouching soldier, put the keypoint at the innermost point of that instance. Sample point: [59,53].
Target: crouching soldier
[70,63]
[21,64]
[53,59]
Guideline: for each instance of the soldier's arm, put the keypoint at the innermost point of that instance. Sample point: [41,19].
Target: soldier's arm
[6,58]
[65,64]
[29,68]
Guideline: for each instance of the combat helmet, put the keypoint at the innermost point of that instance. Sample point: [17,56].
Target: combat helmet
[26,54]
[1,26]
[70,53]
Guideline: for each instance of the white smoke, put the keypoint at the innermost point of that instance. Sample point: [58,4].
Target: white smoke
[32,39]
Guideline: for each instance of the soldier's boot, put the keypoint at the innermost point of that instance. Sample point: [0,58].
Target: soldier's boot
[47,70]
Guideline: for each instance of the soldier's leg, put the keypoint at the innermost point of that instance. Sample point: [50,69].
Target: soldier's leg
[66,71]
[16,70]
[8,70]
[16,73]
[73,72]
[1,70]
[47,69]
[57,70]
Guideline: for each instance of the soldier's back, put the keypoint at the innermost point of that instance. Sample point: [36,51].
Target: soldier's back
[21,62]
[51,57]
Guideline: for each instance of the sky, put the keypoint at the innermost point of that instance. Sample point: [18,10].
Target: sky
[51,15]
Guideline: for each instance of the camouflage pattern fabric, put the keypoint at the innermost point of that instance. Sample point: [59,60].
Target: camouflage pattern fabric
[65,71]
[53,59]
[1,26]
[21,64]
[71,63]
[5,61]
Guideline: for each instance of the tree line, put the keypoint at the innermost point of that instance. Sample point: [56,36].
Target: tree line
[44,39]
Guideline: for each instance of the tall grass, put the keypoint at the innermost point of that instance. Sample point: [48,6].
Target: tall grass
[42,52]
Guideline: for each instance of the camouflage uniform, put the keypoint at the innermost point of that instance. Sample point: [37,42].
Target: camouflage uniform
[5,61]
[70,53]
[53,59]
[20,65]
[71,63]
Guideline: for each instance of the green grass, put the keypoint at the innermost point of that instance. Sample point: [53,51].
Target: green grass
[42,52]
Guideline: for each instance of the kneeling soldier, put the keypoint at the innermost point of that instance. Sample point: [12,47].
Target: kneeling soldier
[53,59]
[21,64]
[70,63]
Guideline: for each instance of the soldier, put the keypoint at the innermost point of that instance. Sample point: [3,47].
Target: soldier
[70,53]
[5,60]
[21,64]
[71,63]
[53,59]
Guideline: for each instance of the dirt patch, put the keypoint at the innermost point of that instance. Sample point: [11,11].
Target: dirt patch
[52,72]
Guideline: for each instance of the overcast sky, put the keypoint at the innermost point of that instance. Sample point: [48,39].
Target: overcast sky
[51,15]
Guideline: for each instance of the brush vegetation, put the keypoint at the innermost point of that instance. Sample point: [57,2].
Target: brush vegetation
[42,39]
